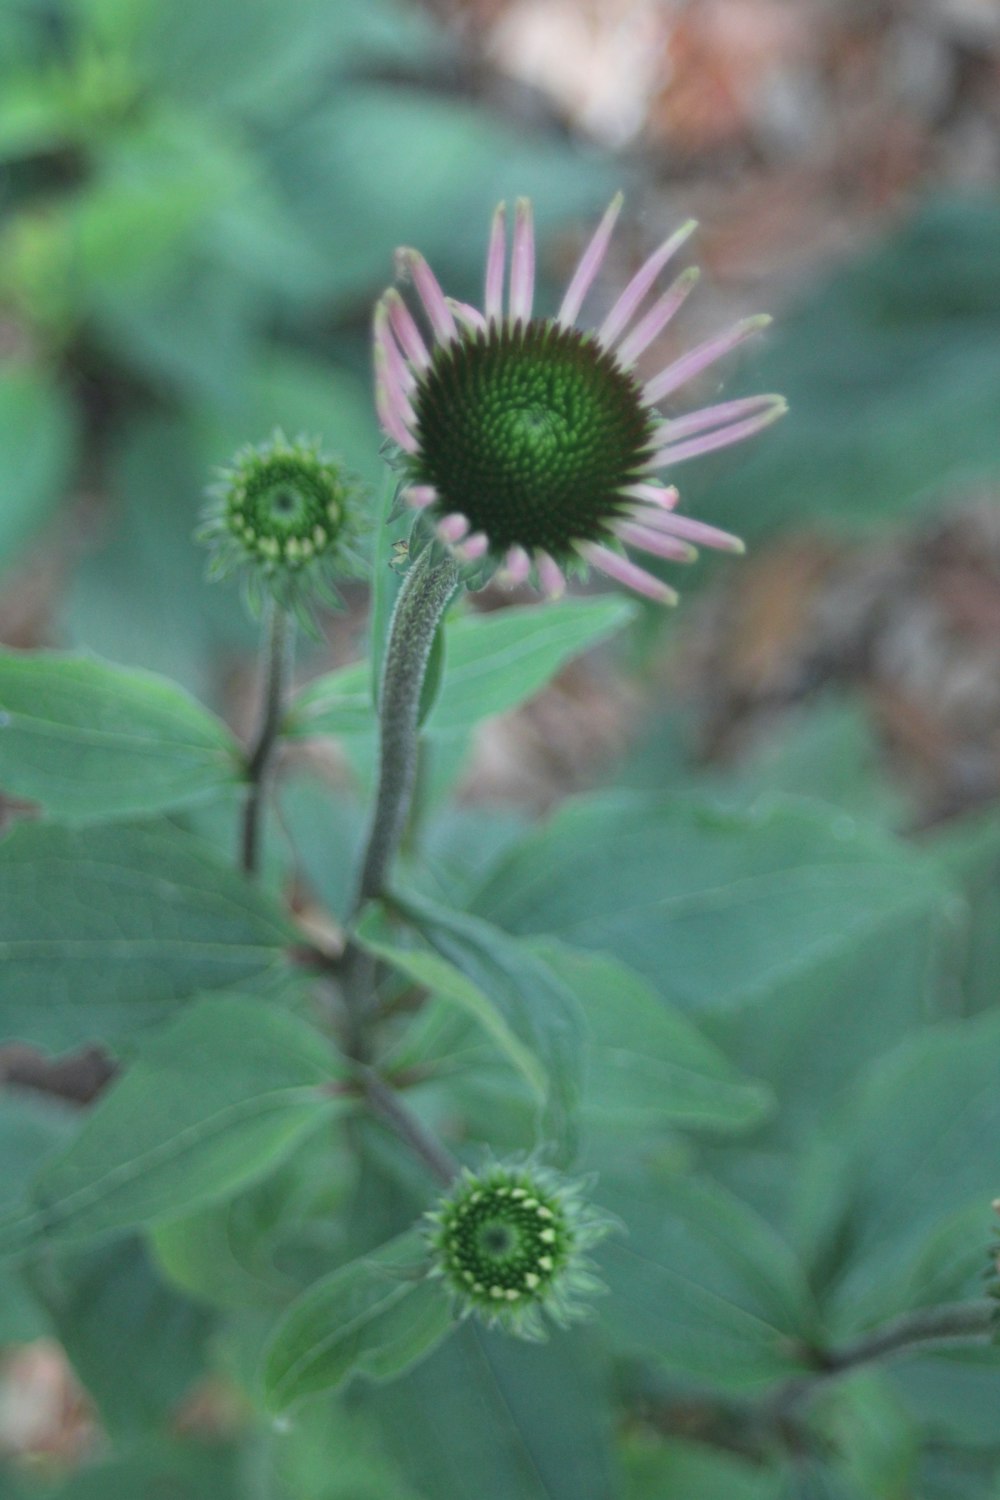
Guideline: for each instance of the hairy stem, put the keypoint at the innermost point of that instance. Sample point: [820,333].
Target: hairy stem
[951,1323]
[276,661]
[426,591]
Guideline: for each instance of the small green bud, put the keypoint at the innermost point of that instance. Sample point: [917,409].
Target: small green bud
[510,1242]
[284,517]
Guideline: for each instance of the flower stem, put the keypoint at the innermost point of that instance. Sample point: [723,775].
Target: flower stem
[951,1323]
[423,599]
[385,1102]
[276,660]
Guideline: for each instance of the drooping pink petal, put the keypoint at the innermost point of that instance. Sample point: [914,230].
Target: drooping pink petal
[387,375]
[389,416]
[628,303]
[659,315]
[453,527]
[623,571]
[767,408]
[430,294]
[522,263]
[467,314]
[550,576]
[475,546]
[708,442]
[656,542]
[664,495]
[404,327]
[669,523]
[517,566]
[420,496]
[495,262]
[700,357]
[400,371]
[589,265]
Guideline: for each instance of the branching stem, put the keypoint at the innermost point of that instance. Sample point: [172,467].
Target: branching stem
[951,1323]
[386,1102]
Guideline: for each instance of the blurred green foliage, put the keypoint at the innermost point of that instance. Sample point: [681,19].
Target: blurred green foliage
[198,203]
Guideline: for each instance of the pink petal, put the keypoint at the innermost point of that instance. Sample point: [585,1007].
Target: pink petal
[495,260]
[474,546]
[390,418]
[708,442]
[623,571]
[659,315]
[400,371]
[628,303]
[522,264]
[668,523]
[590,264]
[453,527]
[550,576]
[406,330]
[467,314]
[430,294]
[768,408]
[664,495]
[389,404]
[699,358]
[387,376]
[419,496]
[655,542]
[517,566]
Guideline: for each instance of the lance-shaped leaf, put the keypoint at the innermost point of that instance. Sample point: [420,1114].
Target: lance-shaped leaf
[376,1316]
[103,930]
[91,741]
[212,1102]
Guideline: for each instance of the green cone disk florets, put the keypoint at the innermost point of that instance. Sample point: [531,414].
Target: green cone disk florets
[509,1242]
[530,431]
[283,514]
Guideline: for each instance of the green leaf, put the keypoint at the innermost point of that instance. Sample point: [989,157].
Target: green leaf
[91,741]
[32,1127]
[422,168]
[648,1067]
[968,850]
[714,907]
[37,442]
[298,1455]
[103,930]
[535,1006]
[655,1470]
[444,979]
[495,662]
[902,404]
[874,1442]
[137,1346]
[488,1414]
[157,1468]
[376,1316]
[261,1247]
[700,1284]
[918,1143]
[214,1099]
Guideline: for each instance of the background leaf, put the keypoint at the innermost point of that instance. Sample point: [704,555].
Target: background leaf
[103,930]
[90,741]
[529,1416]
[213,1100]
[376,1317]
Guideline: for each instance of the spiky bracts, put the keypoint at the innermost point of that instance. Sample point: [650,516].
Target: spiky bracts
[535,447]
[283,515]
[511,1244]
